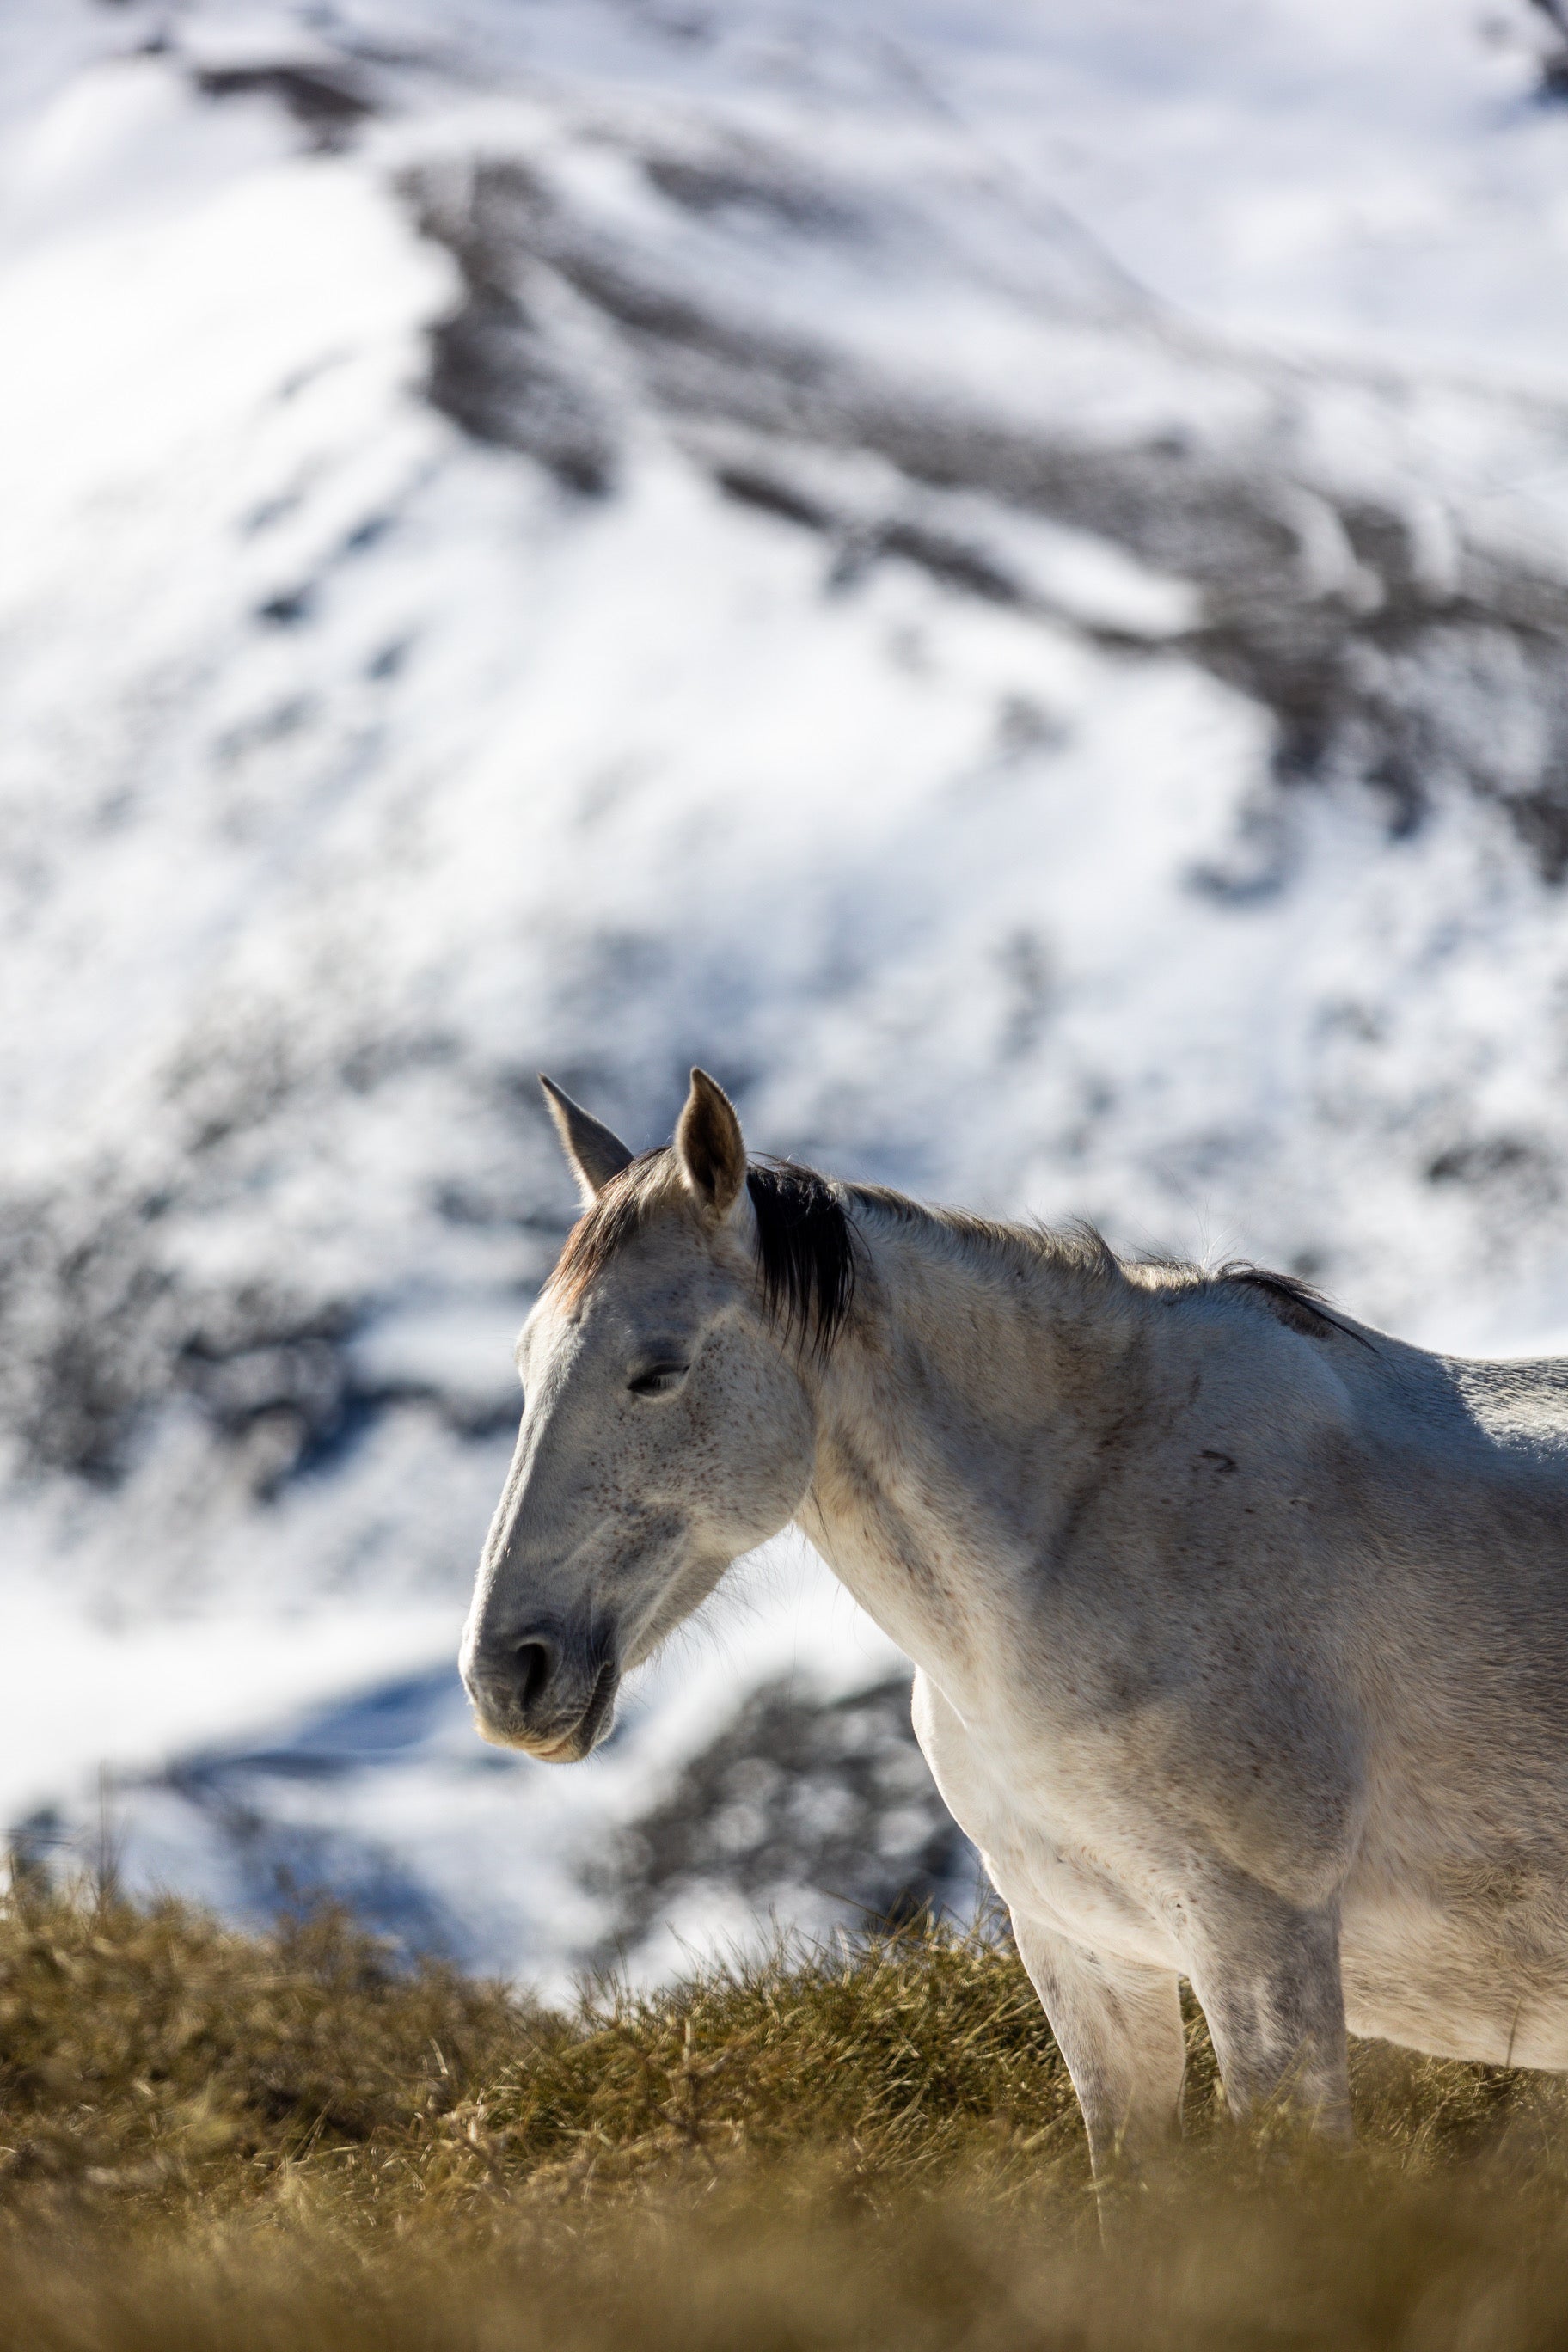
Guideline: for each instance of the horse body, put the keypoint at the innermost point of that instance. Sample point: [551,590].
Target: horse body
[1241,1633]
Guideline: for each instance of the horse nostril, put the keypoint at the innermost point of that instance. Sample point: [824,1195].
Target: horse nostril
[534,1671]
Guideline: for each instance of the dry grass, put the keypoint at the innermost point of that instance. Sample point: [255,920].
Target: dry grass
[214,2140]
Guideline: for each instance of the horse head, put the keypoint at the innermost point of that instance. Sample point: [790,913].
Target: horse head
[666,1426]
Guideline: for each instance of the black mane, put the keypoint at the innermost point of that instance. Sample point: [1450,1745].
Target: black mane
[807,1247]
[1293,1301]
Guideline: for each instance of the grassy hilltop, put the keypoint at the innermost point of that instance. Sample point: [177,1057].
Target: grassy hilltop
[214,2140]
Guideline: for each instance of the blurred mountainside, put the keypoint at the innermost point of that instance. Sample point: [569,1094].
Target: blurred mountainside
[596,536]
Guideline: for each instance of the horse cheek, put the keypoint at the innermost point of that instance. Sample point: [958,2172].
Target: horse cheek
[760,1456]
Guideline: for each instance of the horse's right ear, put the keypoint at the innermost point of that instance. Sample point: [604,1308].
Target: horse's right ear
[709,1150]
[595,1153]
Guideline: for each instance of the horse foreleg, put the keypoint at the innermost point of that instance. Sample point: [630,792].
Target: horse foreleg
[1266,1976]
[1119,2026]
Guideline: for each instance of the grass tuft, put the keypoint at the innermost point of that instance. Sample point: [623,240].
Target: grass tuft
[209,2139]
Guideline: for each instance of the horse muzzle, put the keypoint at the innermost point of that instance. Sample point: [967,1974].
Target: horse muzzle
[543,1691]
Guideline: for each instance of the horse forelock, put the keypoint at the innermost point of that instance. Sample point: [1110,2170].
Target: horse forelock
[620,1212]
[806,1251]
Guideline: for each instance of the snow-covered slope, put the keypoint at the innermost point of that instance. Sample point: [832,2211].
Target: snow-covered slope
[999,576]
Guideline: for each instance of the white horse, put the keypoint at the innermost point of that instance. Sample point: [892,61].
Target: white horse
[1241,1630]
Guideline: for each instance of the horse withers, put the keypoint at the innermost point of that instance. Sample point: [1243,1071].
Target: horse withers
[1241,1630]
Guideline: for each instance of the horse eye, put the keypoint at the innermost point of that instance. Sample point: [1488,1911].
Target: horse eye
[658,1379]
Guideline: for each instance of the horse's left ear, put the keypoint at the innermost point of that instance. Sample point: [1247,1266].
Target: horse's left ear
[709,1150]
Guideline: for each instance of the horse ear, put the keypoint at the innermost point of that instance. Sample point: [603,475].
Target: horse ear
[709,1150]
[595,1153]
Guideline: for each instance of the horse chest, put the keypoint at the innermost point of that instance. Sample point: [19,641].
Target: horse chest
[1033,1842]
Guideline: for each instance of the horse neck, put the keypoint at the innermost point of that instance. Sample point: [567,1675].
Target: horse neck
[957,1414]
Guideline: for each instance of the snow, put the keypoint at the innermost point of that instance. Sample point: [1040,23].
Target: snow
[355,767]
[79,1693]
